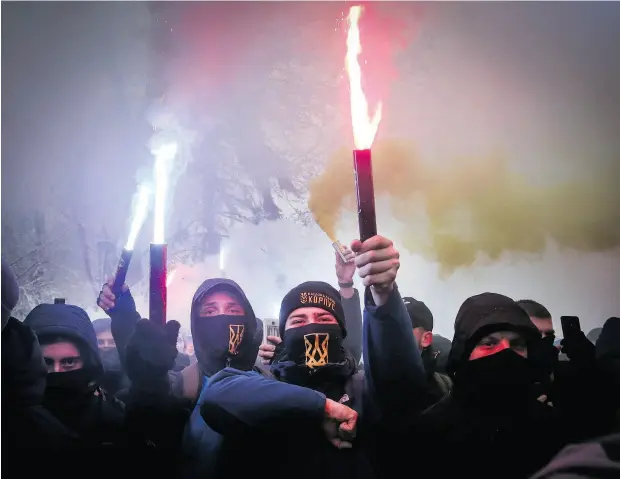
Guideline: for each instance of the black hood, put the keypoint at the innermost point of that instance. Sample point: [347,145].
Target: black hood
[482,314]
[68,321]
[23,368]
[246,362]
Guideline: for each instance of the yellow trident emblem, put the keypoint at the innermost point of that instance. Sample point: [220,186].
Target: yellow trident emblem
[235,337]
[316,349]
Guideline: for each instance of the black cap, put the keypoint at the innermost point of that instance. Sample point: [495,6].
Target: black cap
[313,294]
[421,316]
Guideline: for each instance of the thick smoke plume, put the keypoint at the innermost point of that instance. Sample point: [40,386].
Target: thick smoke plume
[453,212]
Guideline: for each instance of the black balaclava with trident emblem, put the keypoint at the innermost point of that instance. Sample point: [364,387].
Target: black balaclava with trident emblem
[313,345]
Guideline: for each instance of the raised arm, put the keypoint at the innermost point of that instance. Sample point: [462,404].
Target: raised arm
[393,367]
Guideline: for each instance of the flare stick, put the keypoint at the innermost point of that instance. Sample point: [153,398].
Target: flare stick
[365,189]
[121,271]
[157,285]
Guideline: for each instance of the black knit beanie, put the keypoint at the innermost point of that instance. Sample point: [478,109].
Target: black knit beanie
[313,294]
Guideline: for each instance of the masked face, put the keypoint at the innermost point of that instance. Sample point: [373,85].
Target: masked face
[497,342]
[222,329]
[110,360]
[500,378]
[105,340]
[62,357]
[314,345]
[68,380]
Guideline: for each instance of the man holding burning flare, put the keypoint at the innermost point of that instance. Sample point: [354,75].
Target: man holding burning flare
[319,391]
[225,332]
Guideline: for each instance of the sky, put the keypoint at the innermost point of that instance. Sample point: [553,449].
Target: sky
[537,83]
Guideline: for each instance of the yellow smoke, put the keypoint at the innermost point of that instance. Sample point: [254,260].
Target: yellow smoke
[473,206]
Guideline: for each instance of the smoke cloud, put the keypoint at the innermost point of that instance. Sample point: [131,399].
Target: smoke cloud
[457,211]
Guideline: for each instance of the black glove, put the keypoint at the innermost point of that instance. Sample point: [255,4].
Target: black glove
[579,349]
[278,354]
[151,353]
[543,358]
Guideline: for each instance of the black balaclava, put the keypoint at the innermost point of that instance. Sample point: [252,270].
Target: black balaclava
[314,345]
[110,360]
[499,379]
[224,340]
[109,357]
[67,392]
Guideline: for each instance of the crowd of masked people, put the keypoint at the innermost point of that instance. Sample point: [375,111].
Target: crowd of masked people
[338,393]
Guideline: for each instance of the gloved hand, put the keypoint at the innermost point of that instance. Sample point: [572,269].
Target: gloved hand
[544,356]
[579,349]
[150,353]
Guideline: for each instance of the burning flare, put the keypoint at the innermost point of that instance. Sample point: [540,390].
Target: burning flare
[140,210]
[164,158]
[364,126]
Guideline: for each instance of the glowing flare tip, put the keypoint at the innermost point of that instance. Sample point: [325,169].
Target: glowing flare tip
[164,156]
[140,212]
[364,126]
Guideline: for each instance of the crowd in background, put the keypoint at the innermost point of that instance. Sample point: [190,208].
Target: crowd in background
[352,384]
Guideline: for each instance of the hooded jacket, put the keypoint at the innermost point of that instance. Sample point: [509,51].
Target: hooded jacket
[482,314]
[67,320]
[477,432]
[26,424]
[249,347]
[201,444]
[96,417]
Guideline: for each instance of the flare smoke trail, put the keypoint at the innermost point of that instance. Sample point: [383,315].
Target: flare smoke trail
[474,206]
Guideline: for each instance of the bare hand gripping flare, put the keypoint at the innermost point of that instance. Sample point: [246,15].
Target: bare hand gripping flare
[364,130]
[141,208]
[158,288]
